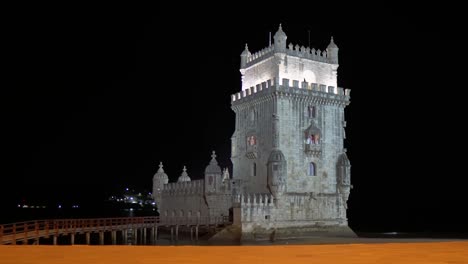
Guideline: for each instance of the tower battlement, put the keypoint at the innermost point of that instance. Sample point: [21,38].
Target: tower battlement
[294,86]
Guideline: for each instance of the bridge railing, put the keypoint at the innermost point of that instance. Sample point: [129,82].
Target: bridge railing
[27,229]
[71,225]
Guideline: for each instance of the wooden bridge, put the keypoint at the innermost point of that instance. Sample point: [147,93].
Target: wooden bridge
[134,226]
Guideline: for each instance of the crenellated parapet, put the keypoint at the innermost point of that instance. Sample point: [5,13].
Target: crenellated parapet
[259,55]
[307,53]
[300,200]
[320,92]
[182,188]
[291,50]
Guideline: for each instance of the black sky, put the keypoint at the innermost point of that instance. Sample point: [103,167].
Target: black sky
[94,97]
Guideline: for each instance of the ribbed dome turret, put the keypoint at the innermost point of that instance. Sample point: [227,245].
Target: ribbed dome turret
[184,176]
[280,34]
[161,176]
[343,160]
[276,155]
[280,40]
[213,167]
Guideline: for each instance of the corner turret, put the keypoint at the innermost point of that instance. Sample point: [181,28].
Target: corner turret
[332,51]
[276,165]
[213,175]
[343,170]
[159,179]
[280,40]
[244,56]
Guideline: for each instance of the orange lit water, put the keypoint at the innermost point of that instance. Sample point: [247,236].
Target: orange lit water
[428,253]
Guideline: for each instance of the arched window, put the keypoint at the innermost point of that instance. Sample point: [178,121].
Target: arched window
[312,169]
[311,111]
[313,139]
[254,169]
[252,116]
[251,141]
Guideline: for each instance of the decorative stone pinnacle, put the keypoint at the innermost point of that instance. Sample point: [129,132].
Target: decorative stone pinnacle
[246,47]
[184,169]
[213,155]
[280,27]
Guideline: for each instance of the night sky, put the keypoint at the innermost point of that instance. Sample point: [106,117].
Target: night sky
[94,97]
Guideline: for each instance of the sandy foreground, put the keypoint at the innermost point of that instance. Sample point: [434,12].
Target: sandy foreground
[429,252]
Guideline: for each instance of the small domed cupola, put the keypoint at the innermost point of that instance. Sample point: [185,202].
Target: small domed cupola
[280,40]
[184,176]
[276,172]
[332,44]
[332,51]
[276,155]
[343,160]
[161,176]
[213,167]
[343,169]
[244,56]
[159,180]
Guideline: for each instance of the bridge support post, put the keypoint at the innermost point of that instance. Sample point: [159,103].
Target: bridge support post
[152,235]
[172,233]
[155,234]
[114,237]
[101,238]
[177,232]
[88,238]
[144,236]
[36,242]
[55,240]
[72,239]
[196,232]
[14,234]
[135,236]
[125,236]
[191,233]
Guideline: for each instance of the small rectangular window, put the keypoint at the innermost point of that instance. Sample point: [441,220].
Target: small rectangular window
[275,167]
[312,169]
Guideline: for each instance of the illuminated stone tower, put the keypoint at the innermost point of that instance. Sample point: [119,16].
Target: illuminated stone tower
[290,168]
